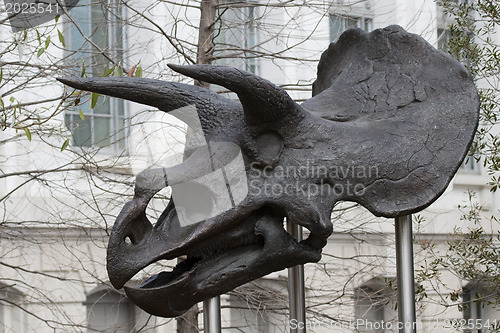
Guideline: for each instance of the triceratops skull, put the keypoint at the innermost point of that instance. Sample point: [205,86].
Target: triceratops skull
[389,124]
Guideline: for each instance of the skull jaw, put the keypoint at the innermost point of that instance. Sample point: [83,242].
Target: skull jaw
[165,296]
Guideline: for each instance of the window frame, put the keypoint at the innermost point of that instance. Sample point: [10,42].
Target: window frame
[117,110]
[107,297]
[475,298]
[11,306]
[363,22]
[470,166]
[378,299]
[247,30]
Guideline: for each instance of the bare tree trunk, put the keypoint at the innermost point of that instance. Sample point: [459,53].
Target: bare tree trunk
[206,35]
[188,322]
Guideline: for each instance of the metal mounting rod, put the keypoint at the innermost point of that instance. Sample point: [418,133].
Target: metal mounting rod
[211,315]
[296,290]
[405,276]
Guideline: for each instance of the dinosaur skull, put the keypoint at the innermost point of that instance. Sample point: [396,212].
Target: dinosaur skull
[389,124]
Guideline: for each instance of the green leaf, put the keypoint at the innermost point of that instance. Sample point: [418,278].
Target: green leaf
[83,68]
[82,116]
[47,42]
[61,38]
[1,74]
[108,72]
[65,144]
[93,100]
[57,18]
[118,71]
[12,100]
[28,133]
[40,52]
[138,71]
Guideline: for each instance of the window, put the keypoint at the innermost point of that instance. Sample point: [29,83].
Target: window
[443,38]
[479,308]
[444,35]
[246,318]
[257,307]
[373,306]
[470,165]
[105,124]
[236,35]
[12,317]
[341,23]
[108,311]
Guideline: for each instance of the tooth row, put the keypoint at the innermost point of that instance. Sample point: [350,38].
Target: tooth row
[224,245]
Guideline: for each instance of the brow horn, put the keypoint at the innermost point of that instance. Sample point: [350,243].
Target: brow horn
[262,100]
[166,96]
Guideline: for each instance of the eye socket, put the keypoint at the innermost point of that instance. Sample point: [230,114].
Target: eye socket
[269,147]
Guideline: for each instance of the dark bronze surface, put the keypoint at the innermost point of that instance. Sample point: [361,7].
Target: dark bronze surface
[390,122]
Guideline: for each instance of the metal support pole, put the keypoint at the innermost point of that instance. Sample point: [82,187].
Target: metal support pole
[405,276]
[211,315]
[296,290]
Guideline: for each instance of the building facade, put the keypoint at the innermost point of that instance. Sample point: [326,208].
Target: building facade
[64,186]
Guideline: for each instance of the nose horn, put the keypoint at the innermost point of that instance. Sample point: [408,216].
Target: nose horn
[133,242]
[131,229]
